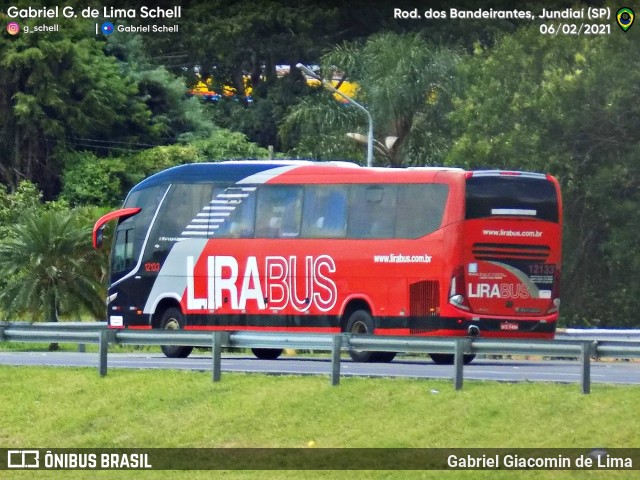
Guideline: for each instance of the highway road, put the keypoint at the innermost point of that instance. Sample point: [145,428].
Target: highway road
[615,372]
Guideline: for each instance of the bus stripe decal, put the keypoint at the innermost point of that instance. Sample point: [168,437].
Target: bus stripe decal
[171,278]
[267,175]
[172,281]
[217,211]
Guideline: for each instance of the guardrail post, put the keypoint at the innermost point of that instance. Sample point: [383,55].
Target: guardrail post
[1,333]
[462,344]
[104,348]
[336,350]
[585,360]
[219,338]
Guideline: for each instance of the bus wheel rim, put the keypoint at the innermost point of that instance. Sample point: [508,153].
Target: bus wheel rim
[359,327]
[172,324]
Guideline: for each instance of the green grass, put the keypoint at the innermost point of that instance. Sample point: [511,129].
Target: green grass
[75,408]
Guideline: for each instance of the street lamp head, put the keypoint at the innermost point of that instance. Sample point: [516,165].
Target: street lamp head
[351,101]
[358,137]
[390,141]
[308,71]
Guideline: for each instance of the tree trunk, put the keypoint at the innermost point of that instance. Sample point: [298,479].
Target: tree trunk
[52,316]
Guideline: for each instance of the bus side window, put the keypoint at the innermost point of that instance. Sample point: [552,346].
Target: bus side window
[279,210]
[372,211]
[237,205]
[420,209]
[325,212]
[122,258]
[179,218]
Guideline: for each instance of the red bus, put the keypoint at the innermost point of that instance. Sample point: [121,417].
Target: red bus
[303,246]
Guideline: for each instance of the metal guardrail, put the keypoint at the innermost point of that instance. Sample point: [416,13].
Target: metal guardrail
[97,333]
[61,326]
[56,327]
[598,334]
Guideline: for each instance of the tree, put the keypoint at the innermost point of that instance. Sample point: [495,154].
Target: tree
[58,90]
[91,180]
[49,267]
[70,90]
[563,105]
[402,79]
[172,113]
[231,39]
[13,206]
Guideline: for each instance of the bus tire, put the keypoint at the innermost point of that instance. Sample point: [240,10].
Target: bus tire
[173,319]
[360,321]
[449,358]
[383,357]
[267,353]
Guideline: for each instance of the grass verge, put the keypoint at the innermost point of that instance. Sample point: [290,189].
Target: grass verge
[74,408]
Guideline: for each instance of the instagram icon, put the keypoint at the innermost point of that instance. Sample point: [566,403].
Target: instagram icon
[13,28]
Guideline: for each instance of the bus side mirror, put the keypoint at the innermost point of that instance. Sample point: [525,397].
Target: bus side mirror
[98,228]
[98,238]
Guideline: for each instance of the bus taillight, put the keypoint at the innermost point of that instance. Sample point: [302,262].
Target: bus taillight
[457,292]
[555,292]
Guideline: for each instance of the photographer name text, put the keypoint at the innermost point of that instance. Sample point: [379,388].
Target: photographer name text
[90,12]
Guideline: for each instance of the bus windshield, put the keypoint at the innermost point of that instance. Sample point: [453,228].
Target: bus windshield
[131,232]
[527,195]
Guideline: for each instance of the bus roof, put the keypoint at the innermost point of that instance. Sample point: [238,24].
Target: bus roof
[262,171]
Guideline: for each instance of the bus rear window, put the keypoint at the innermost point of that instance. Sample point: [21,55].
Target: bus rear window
[509,196]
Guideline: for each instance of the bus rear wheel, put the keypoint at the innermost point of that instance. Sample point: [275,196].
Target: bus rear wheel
[361,321]
[383,357]
[449,358]
[267,353]
[173,319]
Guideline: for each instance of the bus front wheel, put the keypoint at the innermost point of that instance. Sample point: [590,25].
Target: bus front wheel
[173,319]
[361,321]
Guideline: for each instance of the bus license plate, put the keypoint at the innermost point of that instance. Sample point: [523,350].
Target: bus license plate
[508,326]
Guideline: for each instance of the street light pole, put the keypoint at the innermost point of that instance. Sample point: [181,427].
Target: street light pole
[330,87]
